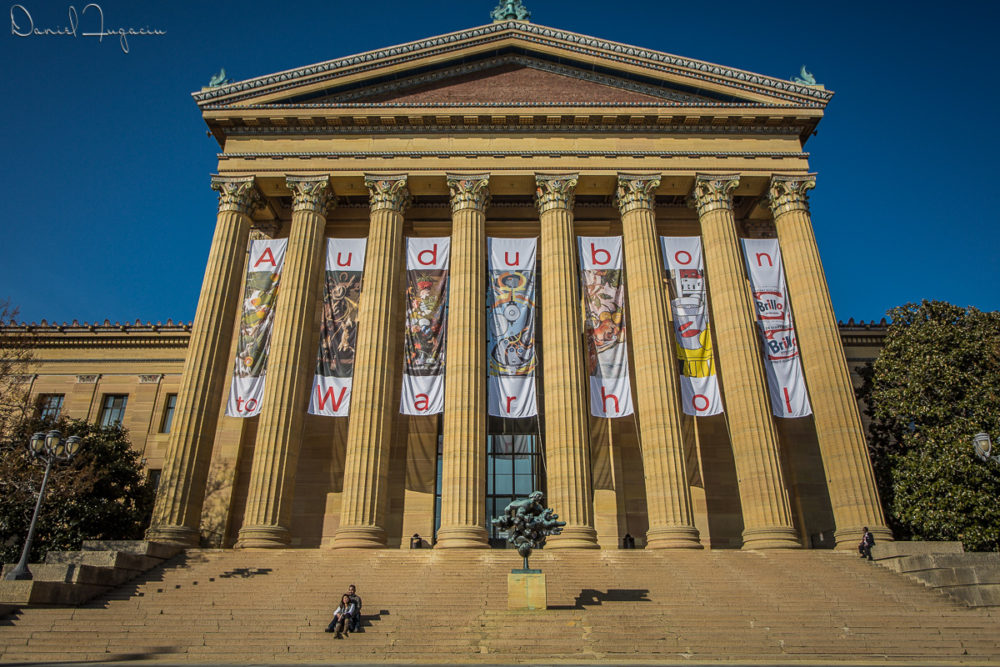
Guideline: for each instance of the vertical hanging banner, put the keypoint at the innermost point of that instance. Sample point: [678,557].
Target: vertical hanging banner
[785,380]
[260,297]
[510,302]
[426,325]
[682,258]
[604,325]
[338,335]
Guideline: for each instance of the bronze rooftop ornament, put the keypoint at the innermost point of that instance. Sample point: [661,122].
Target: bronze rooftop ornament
[528,522]
[510,10]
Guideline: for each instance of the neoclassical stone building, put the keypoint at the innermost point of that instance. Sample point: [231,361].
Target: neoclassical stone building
[507,130]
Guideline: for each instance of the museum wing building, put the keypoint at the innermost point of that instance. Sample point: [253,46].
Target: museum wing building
[512,258]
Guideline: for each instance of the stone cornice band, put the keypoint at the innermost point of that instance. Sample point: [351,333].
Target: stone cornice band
[789,193]
[237,193]
[469,191]
[388,192]
[555,191]
[713,192]
[637,191]
[311,193]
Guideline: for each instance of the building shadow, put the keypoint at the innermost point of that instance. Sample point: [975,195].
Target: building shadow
[590,597]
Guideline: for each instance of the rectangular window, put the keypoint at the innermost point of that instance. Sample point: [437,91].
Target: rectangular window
[168,413]
[113,410]
[50,405]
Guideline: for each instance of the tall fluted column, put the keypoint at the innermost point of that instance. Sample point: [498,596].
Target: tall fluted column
[291,359]
[853,494]
[668,497]
[567,441]
[463,458]
[767,514]
[373,404]
[181,494]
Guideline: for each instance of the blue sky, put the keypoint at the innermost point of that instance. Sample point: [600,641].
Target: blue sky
[106,162]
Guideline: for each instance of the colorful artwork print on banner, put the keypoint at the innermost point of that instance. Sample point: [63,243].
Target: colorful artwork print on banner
[425,339]
[682,257]
[260,298]
[511,328]
[785,380]
[604,325]
[333,381]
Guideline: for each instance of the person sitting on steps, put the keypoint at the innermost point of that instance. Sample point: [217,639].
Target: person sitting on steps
[867,542]
[356,616]
[341,622]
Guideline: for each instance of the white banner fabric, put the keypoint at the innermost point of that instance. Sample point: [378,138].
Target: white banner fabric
[511,328]
[332,383]
[682,257]
[785,379]
[604,325]
[427,261]
[260,297]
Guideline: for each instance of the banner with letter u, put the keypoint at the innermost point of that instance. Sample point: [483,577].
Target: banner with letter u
[510,304]
[338,335]
[424,343]
[260,297]
[682,258]
[604,325]
[785,380]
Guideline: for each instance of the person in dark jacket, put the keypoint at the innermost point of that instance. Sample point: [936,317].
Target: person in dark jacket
[356,615]
[867,542]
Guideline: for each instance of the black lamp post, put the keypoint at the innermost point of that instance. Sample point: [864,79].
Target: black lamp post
[49,447]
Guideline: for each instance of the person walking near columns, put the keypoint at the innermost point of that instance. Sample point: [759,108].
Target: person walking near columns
[373,405]
[851,482]
[181,494]
[668,498]
[567,440]
[292,355]
[767,514]
[463,476]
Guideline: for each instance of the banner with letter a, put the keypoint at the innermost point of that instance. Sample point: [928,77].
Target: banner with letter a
[260,297]
[682,258]
[426,325]
[785,380]
[510,304]
[604,325]
[338,334]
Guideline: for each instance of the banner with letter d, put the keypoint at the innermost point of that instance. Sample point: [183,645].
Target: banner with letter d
[427,261]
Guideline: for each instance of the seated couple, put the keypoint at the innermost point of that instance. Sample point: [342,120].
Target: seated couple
[347,617]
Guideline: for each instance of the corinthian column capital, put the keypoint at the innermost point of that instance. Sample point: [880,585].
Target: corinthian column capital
[636,191]
[311,193]
[712,192]
[237,193]
[788,193]
[555,191]
[388,192]
[469,191]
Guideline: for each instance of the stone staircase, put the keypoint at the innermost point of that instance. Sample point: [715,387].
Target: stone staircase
[450,606]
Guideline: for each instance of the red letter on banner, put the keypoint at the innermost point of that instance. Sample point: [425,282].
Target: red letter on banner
[422,403]
[433,253]
[593,255]
[323,398]
[517,260]
[266,256]
[677,257]
[770,262]
[706,404]
[509,400]
[347,263]
[604,401]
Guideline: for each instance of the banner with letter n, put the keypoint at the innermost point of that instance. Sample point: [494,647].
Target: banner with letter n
[785,380]
[510,304]
[604,325]
[426,334]
[260,297]
[682,257]
[338,334]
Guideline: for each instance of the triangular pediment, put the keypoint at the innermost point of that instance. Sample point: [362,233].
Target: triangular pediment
[513,63]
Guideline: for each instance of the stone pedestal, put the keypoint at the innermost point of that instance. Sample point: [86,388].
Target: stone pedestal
[526,590]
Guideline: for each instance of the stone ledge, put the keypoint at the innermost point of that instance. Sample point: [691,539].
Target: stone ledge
[970,578]
[114,559]
[23,593]
[77,573]
[159,550]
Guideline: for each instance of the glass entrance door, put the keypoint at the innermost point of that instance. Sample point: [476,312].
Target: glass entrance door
[513,468]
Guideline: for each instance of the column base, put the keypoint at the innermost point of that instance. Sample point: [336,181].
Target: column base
[778,537]
[848,538]
[359,537]
[573,537]
[263,537]
[183,535]
[462,537]
[676,537]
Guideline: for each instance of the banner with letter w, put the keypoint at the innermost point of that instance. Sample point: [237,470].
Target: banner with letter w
[338,334]
[260,297]
[785,380]
[604,325]
[427,261]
